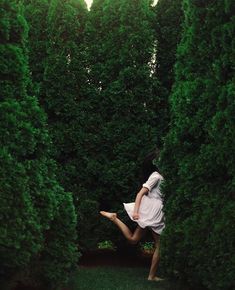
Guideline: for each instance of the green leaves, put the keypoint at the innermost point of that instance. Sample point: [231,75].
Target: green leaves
[117,115]
[30,199]
[198,158]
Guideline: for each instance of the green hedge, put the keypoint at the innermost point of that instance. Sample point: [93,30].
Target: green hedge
[31,198]
[198,156]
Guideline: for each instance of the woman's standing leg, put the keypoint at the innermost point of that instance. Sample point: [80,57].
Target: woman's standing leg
[155,259]
[131,237]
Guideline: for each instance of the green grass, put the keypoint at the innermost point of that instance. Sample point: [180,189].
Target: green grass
[115,278]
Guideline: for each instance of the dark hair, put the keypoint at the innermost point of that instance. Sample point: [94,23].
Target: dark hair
[148,167]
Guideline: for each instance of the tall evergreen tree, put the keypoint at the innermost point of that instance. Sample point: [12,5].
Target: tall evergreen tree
[117,113]
[36,12]
[63,84]
[30,194]
[24,141]
[61,80]
[167,25]
[198,158]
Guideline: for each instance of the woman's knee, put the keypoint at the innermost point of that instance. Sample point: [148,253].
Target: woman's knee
[156,237]
[137,235]
[133,240]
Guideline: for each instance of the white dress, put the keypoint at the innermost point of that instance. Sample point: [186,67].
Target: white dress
[150,211]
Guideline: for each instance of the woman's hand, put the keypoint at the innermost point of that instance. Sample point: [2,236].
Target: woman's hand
[135,216]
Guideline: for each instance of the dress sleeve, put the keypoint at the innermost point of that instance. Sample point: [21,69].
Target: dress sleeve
[152,181]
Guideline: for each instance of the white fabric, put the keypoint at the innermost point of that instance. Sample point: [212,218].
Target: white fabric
[150,211]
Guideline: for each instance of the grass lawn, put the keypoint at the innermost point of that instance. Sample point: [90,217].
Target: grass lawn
[116,278]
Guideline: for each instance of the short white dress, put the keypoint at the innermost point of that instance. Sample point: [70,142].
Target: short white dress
[150,211]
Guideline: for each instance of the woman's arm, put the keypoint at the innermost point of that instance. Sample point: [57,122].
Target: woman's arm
[138,198]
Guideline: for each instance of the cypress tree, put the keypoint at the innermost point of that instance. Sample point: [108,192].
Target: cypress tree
[36,12]
[59,257]
[50,48]
[28,187]
[63,84]
[118,117]
[198,156]
[61,81]
[57,61]
[30,194]
[168,22]
[167,25]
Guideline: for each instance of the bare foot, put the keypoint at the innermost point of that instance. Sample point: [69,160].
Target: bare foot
[155,279]
[110,215]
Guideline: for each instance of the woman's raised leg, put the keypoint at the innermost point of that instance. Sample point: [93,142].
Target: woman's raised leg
[131,237]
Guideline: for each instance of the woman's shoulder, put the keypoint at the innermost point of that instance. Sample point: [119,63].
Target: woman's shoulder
[156,174]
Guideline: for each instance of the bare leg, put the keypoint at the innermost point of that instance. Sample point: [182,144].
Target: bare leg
[131,237]
[155,259]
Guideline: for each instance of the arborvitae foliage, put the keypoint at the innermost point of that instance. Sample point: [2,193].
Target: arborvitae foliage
[63,84]
[36,15]
[60,255]
[117,115]
[167,24]
[199,154]
[30,194]
[28,186]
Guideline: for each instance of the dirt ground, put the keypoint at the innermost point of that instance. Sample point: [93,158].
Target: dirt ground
[114,258]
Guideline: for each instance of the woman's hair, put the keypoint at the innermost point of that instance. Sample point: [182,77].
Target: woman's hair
[148,167]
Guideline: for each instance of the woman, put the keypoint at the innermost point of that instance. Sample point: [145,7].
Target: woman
[146,211]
